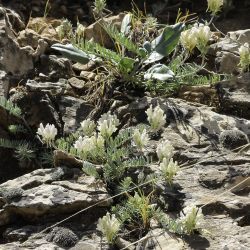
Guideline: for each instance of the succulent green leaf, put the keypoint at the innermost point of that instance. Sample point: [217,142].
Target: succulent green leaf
[72,53]
[159,72]
[127,64]
[125,26]
[147,46]
[164,44]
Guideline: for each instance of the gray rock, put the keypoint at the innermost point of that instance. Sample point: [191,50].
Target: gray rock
[55,67]
[159,239]
[226,50]
[73,111]
[234,96]
[46,193]
[227,61]
[13,59]
[51,87]
[96,32]
[4,84]
[38,107]
[20,234]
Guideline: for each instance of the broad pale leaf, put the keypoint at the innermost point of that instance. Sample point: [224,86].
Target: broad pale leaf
[72,53]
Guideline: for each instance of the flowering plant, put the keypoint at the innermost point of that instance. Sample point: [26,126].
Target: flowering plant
[88,127]
[244,52]
[165,150]
[47,133]
[169,169]
[191,218]
[156,118]
[140,138]
[107,124]
[214,6]
[109,226]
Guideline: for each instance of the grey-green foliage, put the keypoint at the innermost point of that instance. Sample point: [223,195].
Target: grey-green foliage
[99,6]
[17,128]
[23,149]
[168,223]
[90,169]
[136,211]
[121,39]
[121,62]
[46,158]
[10,107]
[25,153]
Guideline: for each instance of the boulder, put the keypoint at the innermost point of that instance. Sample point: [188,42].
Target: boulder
[50,192]
[13,58]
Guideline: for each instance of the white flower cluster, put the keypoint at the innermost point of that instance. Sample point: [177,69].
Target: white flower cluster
[198,36]
[47,133]
[165,150]
[191,218]
[214,6]
[244,52]
[92,142]
[107,124]
[88,127]
[140,138]
[169,168]
[109,226]
[156,118]
[86,145]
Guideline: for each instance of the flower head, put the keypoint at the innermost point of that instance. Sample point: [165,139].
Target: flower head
[203,34]
[88,127]
[165,150]
[140,138]
[191,218]
[189,39]
[214,6]
[156,118]
[86,145]
[169,169]
[109,226]
[47,133]
[107,124]
[244,52]
[83,146]
[80,29]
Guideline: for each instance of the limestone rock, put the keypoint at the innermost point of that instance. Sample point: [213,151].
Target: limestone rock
[160,239]
[13,59]
[49,192]
[226,50]
[32,103]
[73,111]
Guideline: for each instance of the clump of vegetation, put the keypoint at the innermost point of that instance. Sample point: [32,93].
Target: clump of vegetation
[155,59]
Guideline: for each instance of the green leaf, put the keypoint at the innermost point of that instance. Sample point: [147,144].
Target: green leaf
[147,46]
[159,72]
[125,26]
[164,44]
[126,64]
[121,39]
[72,53]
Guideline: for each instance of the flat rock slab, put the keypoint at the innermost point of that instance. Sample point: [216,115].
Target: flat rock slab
[46,192]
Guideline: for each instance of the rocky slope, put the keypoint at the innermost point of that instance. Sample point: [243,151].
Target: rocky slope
[48,88]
